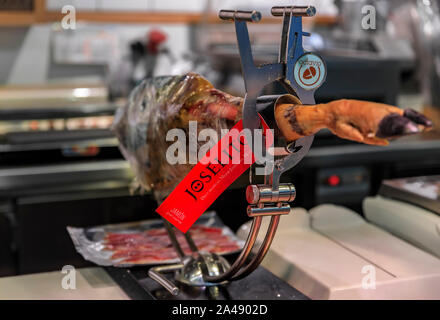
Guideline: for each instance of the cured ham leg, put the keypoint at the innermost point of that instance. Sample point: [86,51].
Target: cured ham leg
[361,121]
[160,104]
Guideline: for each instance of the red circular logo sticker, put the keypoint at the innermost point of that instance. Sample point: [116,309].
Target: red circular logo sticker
[309,71]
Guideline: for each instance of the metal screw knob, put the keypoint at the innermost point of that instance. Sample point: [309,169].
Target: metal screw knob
[231,15]
[298,11]
[264,194]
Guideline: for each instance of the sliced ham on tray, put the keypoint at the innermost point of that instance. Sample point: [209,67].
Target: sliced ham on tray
[154,246]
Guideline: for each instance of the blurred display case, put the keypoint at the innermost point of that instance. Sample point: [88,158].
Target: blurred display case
[23,5]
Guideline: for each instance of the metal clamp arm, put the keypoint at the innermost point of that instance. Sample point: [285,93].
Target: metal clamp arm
[255,78]
[156,273]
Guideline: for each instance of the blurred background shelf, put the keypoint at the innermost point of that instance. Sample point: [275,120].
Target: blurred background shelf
[163,17]
[17,18]
[44,11]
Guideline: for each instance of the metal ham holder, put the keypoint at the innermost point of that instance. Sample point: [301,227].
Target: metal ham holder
[272,197]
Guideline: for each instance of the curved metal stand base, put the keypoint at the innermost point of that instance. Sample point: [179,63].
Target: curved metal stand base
[194,269]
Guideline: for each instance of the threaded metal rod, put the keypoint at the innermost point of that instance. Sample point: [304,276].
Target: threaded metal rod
[155,273]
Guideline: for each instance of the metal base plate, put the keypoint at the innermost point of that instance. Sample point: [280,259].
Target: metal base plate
[259,285]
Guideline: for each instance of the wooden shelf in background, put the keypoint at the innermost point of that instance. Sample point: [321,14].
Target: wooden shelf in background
[41,15]
[16,18]
[128,17]
[165,17]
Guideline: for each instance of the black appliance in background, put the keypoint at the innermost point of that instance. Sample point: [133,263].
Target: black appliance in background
[59,166]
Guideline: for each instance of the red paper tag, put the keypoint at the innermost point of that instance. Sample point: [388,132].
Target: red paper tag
[210,177]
